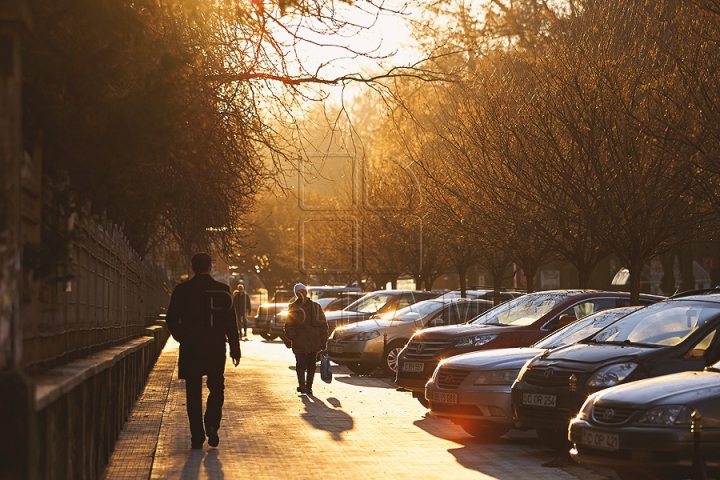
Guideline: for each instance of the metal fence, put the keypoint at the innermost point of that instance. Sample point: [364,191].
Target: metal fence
[106,296]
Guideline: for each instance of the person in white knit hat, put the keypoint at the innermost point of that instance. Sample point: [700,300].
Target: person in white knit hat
[307,329]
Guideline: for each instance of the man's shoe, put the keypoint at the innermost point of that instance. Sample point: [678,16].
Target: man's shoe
[301,389]
[196,446]
[213,439]
[309,392]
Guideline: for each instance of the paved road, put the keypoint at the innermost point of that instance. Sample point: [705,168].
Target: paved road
[355,427]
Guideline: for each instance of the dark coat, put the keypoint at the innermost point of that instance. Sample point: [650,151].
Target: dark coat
[242,304]
[201,318]
[306,326]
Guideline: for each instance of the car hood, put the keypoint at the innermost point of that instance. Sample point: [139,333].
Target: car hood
[493,359]
[276,305]
[592,355]
[376,324]
[454,331]
[679,388]
[345,314]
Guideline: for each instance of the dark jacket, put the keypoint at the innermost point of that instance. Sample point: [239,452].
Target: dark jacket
[242,304]
[201,318]
[306,326]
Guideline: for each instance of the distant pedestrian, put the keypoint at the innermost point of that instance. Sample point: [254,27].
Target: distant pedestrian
[241,302]
[307,329]
[201,318]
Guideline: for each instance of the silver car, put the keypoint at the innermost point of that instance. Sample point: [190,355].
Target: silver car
[473,389]
[369,344]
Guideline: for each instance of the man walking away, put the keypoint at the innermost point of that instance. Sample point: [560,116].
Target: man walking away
[201,319]
[242,305]
[307,329]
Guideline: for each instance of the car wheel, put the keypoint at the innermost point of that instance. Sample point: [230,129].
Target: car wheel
[268,336]
[389,362]
[484,430]
[421,398]
[554,439]
[361,368]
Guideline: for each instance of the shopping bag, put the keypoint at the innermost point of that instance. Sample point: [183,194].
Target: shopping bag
[325,369]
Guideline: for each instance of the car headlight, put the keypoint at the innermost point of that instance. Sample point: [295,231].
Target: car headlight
[497,377]
[587,407]
[474,341]
[364,336]
[667,415]
[612,375]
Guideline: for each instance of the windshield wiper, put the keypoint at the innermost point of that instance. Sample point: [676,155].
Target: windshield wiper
[628,343]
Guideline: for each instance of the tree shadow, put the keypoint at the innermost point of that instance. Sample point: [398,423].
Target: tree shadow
[333,420]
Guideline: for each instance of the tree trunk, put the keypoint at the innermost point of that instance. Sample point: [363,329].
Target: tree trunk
[667,282]
[685,259]
[584,277]
[635,272]
[462,273]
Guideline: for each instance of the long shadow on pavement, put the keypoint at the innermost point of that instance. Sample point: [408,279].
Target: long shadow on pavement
[333,420]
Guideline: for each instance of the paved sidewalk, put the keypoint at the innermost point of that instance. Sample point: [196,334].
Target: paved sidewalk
[355,427]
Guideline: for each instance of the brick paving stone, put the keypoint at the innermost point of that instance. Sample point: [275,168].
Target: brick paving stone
[133,453]
[355,427]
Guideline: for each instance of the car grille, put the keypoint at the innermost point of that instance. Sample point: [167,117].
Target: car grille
[449,408]
[449,378]
[611,415]
[544,414]
[419,350]
[551,377]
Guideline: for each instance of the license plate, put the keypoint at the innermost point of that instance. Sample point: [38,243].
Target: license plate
[443,397]
[336,349]
[600,440]
[413,367]
[539,400]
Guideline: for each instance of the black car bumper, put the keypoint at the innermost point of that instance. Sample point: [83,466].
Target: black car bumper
[667,450]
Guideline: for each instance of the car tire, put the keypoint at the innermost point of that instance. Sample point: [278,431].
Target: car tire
[268,336]
[554,439]
[361,368]
[484,430]
[389,363]
[421,398]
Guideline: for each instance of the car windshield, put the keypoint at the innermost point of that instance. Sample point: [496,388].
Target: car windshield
[415,312]
[663,324]
[370,303]
[522,311]
[583,328]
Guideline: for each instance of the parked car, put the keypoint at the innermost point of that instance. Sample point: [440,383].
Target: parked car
[676,335]
[333,304]
[644,429]
[367,345]
[483,293]
[519,322]
[323,294]
[473,389]
[374,304]
[267,311]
